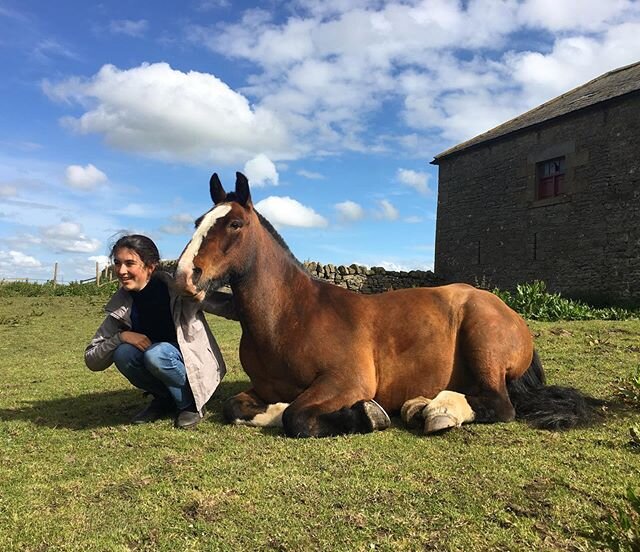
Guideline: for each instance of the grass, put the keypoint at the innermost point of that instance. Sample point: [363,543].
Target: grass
[75,476]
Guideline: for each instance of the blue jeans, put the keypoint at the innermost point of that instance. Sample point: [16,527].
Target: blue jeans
[159,370]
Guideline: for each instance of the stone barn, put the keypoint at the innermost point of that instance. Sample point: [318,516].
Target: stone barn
[552,195]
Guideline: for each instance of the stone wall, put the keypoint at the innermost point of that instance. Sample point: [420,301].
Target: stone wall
[371,280]
[358,278]
[492,231]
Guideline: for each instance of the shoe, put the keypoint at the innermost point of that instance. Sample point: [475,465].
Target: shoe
[156,409]
[189,418]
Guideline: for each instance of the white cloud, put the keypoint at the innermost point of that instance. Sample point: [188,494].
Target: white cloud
[463,99]
[327,8]
[285,211]
[86,268]
[129,27]
[206,5]
[67,236]
[406,266]
[22,145]
[7,190]
[310,175]
[12,14]
[10,260]
[414,179]
[23,239]
[260,171]
[84,178]
[255,38]
[386,210]
[458,98]
[181,223]
[349,211]
[63,230]
[316,77]
[59,226]
[572,15]
[573,61]
[134,210]
[164,113]
[102,260]
[175,229]
[48,48]
[183,218]
[324,70]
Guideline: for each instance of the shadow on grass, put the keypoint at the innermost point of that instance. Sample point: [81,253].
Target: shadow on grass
[114,408]
[106,409]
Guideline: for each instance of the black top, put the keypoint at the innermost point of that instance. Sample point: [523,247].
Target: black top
[151,312]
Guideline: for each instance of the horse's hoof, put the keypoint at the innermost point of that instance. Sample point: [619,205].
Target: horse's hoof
[439,422]
[412,411]
[377,415]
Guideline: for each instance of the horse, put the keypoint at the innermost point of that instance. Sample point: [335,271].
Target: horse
[326,361]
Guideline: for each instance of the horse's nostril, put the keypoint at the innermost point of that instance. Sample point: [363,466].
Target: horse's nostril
[195,276]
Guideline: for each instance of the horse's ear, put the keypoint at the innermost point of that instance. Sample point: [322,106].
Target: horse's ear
[216,190]
[242,189]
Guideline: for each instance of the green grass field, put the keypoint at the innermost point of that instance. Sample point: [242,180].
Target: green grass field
[75,476]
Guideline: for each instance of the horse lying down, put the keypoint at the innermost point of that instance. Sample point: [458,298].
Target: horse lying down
[324,360]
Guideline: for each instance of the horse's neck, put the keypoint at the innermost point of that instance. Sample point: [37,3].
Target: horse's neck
[263,294]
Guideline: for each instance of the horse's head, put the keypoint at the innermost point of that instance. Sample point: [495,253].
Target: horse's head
[216,253]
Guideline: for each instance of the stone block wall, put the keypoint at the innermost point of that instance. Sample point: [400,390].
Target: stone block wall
[371,280]
[358,278]
[492,231]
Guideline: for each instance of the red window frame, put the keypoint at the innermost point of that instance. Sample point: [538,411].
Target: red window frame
[550,178]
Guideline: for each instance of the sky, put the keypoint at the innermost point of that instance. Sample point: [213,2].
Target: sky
[113,115]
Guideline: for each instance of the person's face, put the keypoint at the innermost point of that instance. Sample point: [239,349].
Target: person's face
[130,270]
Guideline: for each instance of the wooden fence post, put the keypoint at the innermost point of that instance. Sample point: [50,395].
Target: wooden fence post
[97,274]
[55,274]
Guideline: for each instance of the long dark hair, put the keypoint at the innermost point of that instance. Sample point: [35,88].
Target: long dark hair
[142,245]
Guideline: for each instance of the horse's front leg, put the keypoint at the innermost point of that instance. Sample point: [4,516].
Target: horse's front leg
[247,408]
[328,407]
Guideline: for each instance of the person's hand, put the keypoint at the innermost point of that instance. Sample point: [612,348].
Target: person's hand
[138,340]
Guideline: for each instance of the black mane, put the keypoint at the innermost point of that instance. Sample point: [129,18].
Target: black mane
[269,228]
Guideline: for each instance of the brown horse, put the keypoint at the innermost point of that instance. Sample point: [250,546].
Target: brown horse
[324,360]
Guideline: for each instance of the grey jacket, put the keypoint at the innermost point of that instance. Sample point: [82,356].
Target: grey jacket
[202,358]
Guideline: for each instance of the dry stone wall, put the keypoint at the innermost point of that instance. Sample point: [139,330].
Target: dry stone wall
[371,280]
[359,278]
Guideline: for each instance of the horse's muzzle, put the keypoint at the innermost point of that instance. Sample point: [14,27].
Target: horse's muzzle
[186,281]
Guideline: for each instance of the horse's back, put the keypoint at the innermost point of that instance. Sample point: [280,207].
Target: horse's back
[441,306]
[451,308]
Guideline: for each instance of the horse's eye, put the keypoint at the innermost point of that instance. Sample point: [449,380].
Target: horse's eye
[235,224]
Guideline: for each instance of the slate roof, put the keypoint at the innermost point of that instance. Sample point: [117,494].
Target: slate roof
[613,84]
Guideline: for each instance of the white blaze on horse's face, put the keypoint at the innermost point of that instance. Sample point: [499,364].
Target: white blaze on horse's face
[185,263]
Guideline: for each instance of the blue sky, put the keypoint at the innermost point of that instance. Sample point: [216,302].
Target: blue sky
[113,115]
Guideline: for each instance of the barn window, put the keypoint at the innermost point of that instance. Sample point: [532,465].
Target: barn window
[550,178]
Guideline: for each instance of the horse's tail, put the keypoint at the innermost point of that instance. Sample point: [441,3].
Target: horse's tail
[548,406]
